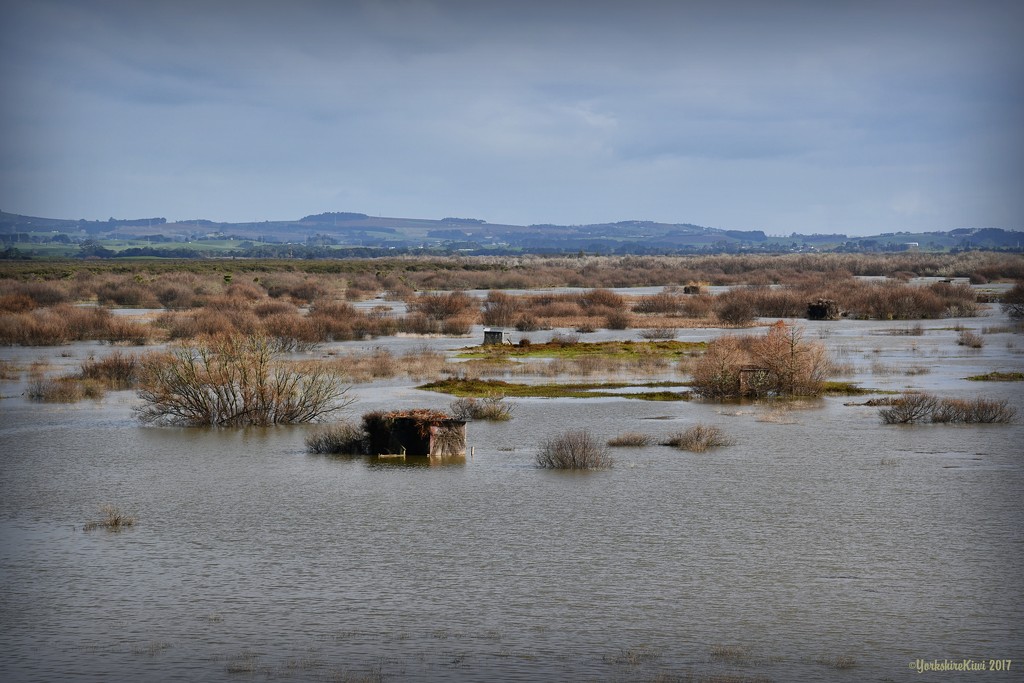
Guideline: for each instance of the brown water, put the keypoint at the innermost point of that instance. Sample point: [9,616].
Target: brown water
[820,534]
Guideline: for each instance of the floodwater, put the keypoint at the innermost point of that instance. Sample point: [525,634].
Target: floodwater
[822,545]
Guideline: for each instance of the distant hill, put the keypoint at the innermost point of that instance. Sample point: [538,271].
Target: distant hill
[344,233]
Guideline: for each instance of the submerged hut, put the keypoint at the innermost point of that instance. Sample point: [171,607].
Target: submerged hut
[415,432]
[823,309]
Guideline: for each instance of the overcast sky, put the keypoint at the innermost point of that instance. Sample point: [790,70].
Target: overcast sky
[826,116]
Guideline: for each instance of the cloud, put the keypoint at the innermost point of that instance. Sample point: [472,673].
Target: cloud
[736,114]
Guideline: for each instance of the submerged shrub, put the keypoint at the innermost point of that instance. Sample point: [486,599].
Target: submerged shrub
[235,381]
[343,438]
[574,450]
[630,440]
[491,408]
[918,408]
[115,371]
[698,438]
[113,520]
[1012,302]
[970,339]
[63,390]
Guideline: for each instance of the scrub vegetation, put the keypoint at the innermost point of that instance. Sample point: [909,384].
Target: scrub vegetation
[492,408]
[113,519]
[235,381]
[573,450]
[698,438]
[779,363]
[920,407]
[303,303]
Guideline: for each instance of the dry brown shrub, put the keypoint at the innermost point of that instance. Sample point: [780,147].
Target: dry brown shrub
[442,306]
[501,310]
[42,293]
[603,299]
[115,371]
[573,450]
[63,390]
[126,292]
[617,320]
[235,381]
[267,308]
[16,303]
[698,438]
[662,302]
[292,330]
[175,296]
[630,440]
[780,363]
[245,291]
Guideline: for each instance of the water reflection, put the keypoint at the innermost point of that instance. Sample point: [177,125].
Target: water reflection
[820,535]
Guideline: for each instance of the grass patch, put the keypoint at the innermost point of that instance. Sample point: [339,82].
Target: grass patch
[343,438]
[835,388]
[698,438]
[479,388]
[113,520]
[64,390]
[490,408]
[558,348]
[630,440]
[998,377]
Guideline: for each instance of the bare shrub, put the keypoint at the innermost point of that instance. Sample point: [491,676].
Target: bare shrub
[175,296]
[235,381]
[991,411]
[342,438]
[492,408]
[617,320]
[734,309]
[441,306]
[574,450]
[909,408]
[269,307]
[527,323]
[125,293]
[915,408]
[60,390]
[43,293]
[780,363]
[630,440]
[698,438]
[115,371]
[291,330]
[113,520]
[16,303]
[501,309]
[1012,302]
[970,339]
[662,302]
[657,333]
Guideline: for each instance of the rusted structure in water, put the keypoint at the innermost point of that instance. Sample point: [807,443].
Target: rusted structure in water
[415,433]
[823,309]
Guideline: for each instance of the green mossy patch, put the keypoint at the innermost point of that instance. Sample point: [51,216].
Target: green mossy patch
[478,388]
[848,389]
[998,377]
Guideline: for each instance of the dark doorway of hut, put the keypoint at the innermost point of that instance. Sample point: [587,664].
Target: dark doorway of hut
[427,435]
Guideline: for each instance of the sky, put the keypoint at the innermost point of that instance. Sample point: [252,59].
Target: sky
[813,117]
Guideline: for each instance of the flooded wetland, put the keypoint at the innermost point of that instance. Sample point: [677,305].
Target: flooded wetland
[819,544]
